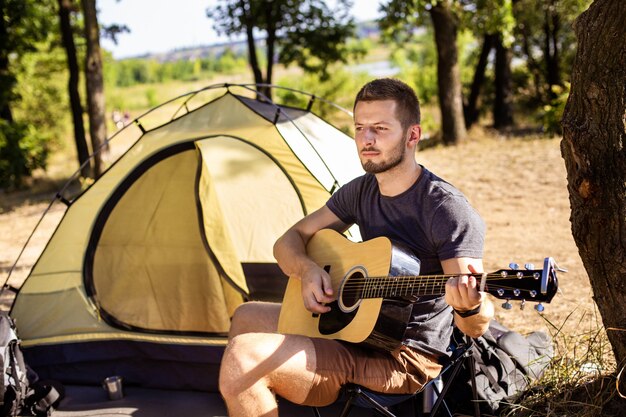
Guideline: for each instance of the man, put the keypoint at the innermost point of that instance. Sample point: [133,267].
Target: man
[396,198]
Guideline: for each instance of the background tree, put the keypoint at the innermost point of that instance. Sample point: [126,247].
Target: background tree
[446,25]
[24,143]
[471,107]
[544,35]
[593,148]
[307,32]
[503,99]
[95,85]
[66,8]
[402,16]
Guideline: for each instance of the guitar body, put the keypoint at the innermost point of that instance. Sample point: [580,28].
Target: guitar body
[372,280]
[376,322]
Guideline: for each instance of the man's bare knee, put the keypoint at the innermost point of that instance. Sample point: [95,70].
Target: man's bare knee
[255,316]
[238,359]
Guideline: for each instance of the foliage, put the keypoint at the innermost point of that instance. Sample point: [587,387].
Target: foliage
[526,26]
[340,89]
[553,111]
[490,17]
[536,22]
[42,87]
[417,62]
[30,100]
[133,71]
[151,97]
[307,33]
[481,16]
[22,150]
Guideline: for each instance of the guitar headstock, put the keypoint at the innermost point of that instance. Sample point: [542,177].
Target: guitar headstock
[528,284]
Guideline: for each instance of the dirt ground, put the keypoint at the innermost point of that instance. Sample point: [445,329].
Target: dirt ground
[517,184]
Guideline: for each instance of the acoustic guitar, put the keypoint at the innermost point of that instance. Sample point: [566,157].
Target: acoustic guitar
[372,281]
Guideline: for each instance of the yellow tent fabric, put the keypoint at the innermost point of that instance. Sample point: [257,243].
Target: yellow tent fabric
[157,243]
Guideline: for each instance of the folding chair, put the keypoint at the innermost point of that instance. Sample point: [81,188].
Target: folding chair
[362,397]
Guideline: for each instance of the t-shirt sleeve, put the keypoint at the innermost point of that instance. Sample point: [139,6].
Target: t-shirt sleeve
[343,203]
[458,230]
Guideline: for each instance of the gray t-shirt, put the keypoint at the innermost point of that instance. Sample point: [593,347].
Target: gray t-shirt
[433,219]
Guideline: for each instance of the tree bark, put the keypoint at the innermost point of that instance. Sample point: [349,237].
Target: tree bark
[503,102]
[95,85]
[448,75]
[593,149]
[67,37]
[471,110]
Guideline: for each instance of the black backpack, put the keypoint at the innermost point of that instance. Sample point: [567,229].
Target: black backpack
[505,364]
[20,391]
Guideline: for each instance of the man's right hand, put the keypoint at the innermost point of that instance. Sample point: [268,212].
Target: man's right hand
[290,252]
[317,290]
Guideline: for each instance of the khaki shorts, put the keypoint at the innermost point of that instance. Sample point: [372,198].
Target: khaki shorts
[403,371]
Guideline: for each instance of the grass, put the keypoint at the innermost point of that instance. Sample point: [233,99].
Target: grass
[582,378]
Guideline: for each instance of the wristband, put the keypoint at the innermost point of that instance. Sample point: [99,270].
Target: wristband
[469,313]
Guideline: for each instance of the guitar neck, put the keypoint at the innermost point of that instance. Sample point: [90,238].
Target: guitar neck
[401,286]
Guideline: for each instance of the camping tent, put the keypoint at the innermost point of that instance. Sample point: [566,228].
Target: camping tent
[144,271]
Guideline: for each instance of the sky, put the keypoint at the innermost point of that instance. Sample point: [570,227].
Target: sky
[164,25]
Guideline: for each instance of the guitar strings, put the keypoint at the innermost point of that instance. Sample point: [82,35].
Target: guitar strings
[415,285]
[432,278]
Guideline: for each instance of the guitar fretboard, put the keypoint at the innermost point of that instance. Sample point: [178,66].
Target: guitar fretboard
[399,286]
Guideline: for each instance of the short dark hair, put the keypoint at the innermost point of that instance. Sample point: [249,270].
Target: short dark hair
[408,106]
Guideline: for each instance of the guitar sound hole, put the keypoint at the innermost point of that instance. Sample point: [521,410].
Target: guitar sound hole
[352,290]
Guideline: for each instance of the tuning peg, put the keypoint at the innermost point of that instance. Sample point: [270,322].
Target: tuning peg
[507,304]
[529,266]
[523,304]
[513,266]
[539,307]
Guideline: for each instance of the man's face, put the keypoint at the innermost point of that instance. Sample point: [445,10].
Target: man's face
[380,139]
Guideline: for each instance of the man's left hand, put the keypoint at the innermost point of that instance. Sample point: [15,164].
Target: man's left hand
[462,292]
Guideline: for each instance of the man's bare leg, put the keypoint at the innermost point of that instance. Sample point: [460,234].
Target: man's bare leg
[257,366]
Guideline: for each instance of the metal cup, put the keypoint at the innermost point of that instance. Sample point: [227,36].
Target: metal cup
[113,387]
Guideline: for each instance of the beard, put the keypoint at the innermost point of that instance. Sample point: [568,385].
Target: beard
[396,157]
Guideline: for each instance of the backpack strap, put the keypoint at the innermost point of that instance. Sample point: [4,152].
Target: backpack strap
[481,357]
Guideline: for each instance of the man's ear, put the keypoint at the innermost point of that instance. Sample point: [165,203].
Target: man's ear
[415,134]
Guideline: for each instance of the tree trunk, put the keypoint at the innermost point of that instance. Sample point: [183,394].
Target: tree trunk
[95,85]
[269,43]
[448,75]
[7,80]
[534,67]
[551,47]
[502,105]
[593,150]
[471,111]
[65,8]
[253,60]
